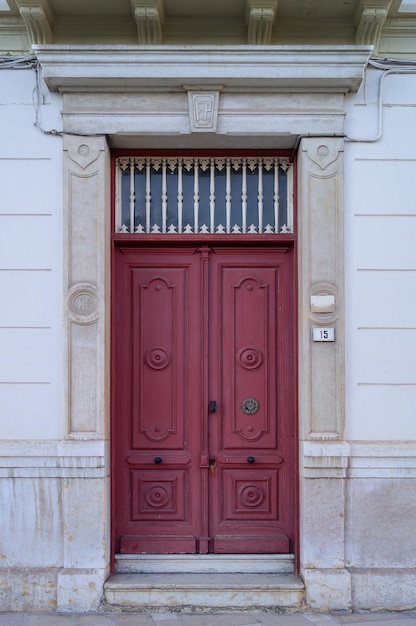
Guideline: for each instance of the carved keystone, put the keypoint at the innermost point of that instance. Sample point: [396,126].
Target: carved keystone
[203,110]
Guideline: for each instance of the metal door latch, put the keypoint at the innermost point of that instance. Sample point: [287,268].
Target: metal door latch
[212,406]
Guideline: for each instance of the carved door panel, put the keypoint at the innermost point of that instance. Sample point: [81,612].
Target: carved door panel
[157,411]
[196,326]
[251,376]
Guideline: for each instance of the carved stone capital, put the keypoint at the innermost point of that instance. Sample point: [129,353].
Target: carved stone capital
[370,18]
[260,16]
[149,16]
[38,18]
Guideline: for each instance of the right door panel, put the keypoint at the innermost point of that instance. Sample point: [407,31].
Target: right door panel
[252,432]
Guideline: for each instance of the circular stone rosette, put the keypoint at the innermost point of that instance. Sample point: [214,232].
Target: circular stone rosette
[83,303]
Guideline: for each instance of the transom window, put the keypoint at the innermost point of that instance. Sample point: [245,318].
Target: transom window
[197,195]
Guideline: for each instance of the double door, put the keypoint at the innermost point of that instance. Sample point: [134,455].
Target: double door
[204,420]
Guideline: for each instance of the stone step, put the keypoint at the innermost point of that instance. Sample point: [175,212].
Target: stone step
[205,563]
[203,592]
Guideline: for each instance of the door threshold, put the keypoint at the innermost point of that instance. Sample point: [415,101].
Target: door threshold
[205,563]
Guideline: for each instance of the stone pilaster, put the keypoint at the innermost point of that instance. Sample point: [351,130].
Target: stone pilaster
[87,193]
[323,454]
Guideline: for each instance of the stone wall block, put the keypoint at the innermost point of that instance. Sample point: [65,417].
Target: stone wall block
[80,590]
[327,590]
[31,510]
[24,589]
[322,526]
[85,536]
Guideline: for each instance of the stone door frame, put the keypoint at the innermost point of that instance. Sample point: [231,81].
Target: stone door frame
[281,97]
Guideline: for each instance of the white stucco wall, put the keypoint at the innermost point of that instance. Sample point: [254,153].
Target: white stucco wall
[31,339]
[380,261]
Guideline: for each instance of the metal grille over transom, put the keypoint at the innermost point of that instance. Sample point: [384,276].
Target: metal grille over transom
[204,195]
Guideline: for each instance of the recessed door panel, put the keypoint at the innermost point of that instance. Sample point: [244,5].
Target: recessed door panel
[157,408]
[251,375]
[204,418]
[159,335]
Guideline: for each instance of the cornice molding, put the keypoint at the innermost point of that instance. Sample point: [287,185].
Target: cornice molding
[238,68]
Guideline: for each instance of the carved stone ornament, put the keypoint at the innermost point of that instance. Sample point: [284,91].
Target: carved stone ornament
[80,152]
[83,303]
[322,154]
[38,19]
[203,111]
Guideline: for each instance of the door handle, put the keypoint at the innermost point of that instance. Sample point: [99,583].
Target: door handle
[250,459]
[212,406]
[158,460]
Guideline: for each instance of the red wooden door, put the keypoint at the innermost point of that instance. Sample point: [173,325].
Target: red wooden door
[204,418]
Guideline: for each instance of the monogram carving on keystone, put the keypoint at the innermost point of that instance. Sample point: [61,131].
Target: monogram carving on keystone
[203,110]
[83,303]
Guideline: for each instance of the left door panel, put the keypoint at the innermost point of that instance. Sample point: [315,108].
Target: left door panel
[157,325]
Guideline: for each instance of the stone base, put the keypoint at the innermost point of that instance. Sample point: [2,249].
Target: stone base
[80,589]
[24,589]
[51,589]
[327,589]
[383,589]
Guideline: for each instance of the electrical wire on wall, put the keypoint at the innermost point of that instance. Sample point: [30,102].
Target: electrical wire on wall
[38,99]
[388,67]
[31,62]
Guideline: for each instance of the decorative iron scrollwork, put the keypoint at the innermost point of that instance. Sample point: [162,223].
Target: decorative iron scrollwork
[250,406]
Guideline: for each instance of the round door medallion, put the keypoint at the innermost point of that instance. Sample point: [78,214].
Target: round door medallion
[250,406]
